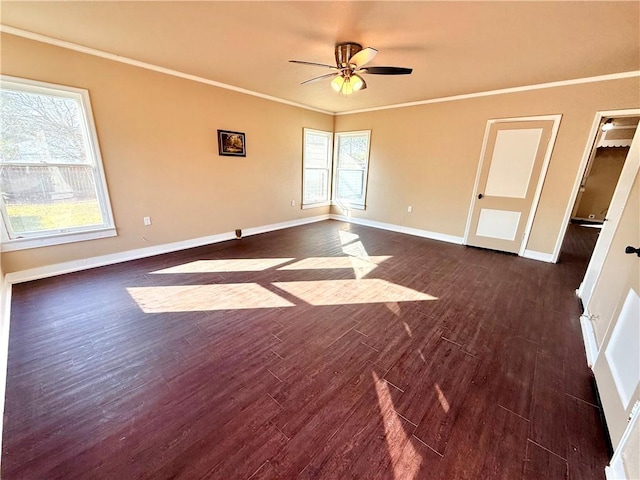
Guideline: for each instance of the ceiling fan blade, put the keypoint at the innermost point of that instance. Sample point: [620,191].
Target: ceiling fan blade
[387,70]
[363,57]
[314,63]
[326,75]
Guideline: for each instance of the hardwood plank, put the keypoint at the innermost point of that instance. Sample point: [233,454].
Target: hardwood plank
[587,452]
[302,397]
[541,464]
[417,460]
[369,444]
[321,425]
[549,415]
[97,388]
[392,330]
[510,374]
[490,442]
[443,395]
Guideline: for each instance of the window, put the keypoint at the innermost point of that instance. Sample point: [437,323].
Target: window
[316,161]
[351,168]
[51,178]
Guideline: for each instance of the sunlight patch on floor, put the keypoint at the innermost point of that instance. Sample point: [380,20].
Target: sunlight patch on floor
[363,267]
[229,265]
[362,263]
[199,298]
[408,329]
[394,308]
[441,398]
[356,250]
[348,292]
[398,441]
[424,360]
[347,237]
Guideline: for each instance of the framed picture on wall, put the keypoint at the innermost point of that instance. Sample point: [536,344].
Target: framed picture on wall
[232,144]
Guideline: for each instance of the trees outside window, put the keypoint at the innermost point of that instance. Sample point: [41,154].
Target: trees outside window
[51,175]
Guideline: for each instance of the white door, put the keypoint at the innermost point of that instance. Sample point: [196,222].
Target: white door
[614,308]
[620,197]
[513,164]
[617,368]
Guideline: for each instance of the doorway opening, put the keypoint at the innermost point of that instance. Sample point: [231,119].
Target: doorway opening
[600,178]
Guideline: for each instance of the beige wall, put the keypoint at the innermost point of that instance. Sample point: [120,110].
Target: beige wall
[601,182]
[157,134]
[427,156]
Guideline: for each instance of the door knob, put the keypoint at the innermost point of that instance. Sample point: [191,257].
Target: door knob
[480,196]
[632,250]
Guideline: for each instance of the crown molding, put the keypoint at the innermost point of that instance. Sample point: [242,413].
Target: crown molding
[167,71]
[502,91]
[148,66]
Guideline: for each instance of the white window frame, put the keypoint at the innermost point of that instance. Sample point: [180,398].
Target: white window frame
[337,169]
[328,168]
[69,235]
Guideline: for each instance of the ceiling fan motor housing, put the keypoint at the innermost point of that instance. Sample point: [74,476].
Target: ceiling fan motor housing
[344,51]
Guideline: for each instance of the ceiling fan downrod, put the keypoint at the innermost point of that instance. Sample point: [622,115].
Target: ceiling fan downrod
[344,52]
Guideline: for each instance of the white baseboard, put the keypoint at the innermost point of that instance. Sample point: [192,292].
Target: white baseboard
[589,339]
[400,229]
[540,256]
[279,226]
[611,474]
[110,259]
[616,469]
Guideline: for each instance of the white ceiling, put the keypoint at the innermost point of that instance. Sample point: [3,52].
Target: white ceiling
[455,48]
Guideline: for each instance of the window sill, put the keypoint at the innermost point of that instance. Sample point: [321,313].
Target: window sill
[59,239]
[315,205]
[349,206]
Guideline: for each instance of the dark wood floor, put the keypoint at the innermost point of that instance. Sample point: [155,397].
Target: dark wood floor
[256,359]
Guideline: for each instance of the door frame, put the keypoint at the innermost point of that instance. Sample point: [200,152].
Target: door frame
[620,197]
[615,470]
[543,172]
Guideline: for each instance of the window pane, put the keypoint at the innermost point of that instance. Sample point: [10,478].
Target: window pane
[39,128]
[316,186]
[316,165]
[351,167]
[354,151]
[351,185]
[316,150]
[40,198]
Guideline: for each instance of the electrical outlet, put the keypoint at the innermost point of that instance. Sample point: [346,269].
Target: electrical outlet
[409,209]
[293,203]
[146,220]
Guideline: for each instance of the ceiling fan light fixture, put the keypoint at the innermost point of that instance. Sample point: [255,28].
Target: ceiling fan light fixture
[356,82]
[347,86]
[337,83]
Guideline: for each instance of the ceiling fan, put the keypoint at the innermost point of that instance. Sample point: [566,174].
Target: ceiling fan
[351,59]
